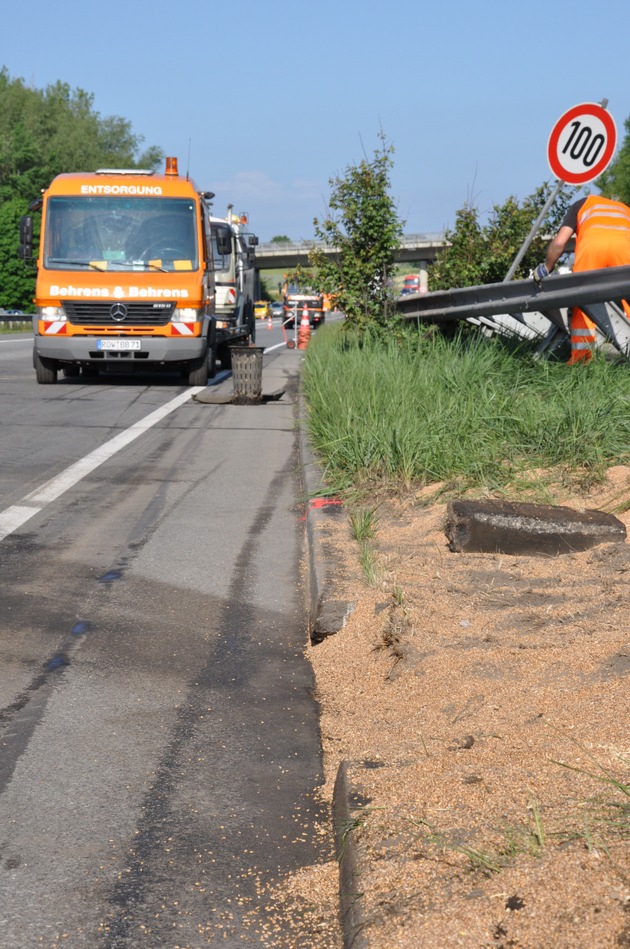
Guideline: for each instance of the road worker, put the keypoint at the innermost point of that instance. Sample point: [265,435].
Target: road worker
[602,239]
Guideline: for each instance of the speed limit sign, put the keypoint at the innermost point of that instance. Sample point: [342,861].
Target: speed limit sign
[582,143]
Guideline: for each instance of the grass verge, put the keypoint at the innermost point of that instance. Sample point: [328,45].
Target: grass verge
[479,413]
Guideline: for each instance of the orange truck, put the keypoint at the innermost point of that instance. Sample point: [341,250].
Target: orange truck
[294,299]
[125,276]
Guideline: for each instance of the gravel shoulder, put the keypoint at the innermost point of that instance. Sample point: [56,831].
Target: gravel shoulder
[480,705]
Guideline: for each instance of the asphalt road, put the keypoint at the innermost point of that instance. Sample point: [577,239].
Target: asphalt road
[159,744]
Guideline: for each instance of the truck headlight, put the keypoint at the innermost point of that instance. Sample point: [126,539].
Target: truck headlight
[185,314]
[51,313]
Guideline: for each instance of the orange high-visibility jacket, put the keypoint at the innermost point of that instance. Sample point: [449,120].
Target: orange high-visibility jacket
[602,240]
[603,234]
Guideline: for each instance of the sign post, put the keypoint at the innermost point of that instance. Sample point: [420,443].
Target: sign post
[580,148]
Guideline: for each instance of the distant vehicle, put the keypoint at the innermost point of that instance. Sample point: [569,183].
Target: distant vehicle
[277,308]
[294,300]
[261,309]
[411,284]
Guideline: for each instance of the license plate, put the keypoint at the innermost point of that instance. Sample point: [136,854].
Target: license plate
[118,345]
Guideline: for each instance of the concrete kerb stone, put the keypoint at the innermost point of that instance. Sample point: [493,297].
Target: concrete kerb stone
[327,612]
[527,529]
[327,616]
[346,815]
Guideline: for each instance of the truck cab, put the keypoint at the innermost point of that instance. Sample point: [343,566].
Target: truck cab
[233,248]
[411,284]
[296,299]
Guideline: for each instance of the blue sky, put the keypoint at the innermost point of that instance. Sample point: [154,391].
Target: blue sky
[275,97]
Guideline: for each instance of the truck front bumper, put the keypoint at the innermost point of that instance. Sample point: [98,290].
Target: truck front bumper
[153,350]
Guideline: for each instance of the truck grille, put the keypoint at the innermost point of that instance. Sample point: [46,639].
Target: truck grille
[113,314]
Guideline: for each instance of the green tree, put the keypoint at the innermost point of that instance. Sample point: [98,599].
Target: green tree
[280,239]
[478,253]
[43,133]
[615,181]
[363,231]
[17,285]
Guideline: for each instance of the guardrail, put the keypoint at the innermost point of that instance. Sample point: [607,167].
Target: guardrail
[16,318]
[597,292]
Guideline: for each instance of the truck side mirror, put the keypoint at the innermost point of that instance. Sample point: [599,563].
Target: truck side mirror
[26,237]
[224,243]
[253,240]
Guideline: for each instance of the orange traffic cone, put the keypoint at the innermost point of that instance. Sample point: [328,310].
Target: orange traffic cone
[304,331]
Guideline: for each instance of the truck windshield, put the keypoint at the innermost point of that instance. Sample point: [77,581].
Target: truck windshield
[112,233]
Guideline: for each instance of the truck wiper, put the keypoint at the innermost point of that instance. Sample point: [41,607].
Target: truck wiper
[75,263]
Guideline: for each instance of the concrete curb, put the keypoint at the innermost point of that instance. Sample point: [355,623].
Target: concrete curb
[327,613]
[350,910]
[327,616]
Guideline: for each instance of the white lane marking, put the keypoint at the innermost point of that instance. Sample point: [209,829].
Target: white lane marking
[270,349]
[16,515]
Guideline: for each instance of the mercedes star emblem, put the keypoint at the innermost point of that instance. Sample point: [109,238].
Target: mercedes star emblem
[118,312]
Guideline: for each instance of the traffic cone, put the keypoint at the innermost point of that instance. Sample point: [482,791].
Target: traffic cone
[304,331]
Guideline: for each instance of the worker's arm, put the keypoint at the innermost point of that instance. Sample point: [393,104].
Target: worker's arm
[554,252]
[557,247]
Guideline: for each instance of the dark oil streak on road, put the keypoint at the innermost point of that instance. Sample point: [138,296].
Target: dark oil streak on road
[230,671]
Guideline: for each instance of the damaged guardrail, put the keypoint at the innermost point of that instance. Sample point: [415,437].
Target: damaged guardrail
[540,310]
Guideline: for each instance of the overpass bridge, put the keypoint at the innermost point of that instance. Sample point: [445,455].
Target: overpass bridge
[417,249]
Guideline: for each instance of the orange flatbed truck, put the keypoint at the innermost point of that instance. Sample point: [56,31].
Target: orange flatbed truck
[125,276]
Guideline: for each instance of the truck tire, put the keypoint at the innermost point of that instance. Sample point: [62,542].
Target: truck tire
[212,359]
[198,370]
[45,370]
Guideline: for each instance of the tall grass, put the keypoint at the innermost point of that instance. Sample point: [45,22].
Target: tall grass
[481,411]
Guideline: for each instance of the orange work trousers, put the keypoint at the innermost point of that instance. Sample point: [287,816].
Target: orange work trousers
[602,248]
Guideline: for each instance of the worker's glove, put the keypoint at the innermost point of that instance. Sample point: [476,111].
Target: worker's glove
[540,273]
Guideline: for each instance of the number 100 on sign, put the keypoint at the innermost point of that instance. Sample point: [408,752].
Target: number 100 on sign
[582,143]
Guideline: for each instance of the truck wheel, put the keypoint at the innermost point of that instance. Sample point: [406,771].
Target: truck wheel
[212,360]
[198,371]
[45,370]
